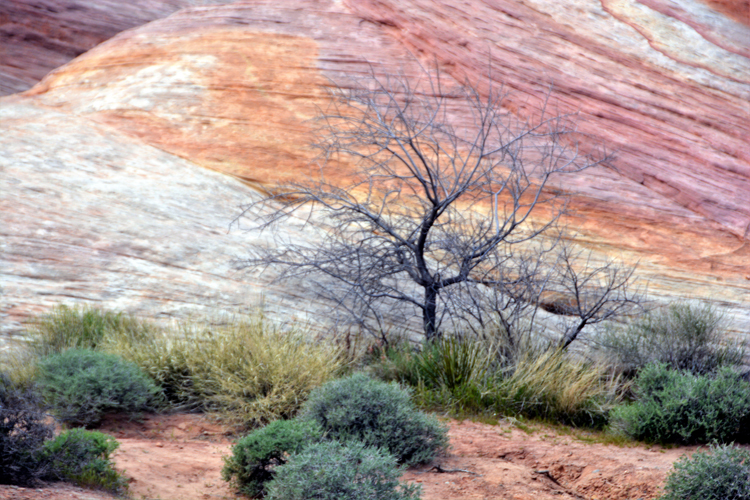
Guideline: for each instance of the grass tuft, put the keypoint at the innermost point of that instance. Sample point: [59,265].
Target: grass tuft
[250,371]
[557,385]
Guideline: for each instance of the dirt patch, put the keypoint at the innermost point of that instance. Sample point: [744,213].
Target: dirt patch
[171,457]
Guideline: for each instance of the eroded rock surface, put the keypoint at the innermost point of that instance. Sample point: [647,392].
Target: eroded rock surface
[233,88]
[92,216]
[37,36]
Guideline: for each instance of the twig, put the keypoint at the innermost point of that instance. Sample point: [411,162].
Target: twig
[439,469]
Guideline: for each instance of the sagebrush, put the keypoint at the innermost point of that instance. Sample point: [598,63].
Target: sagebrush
[377,414]
[684,336]
[722,474]
[81,385]
[255,457]
[249,371]
[336,471]
[681,407]
[84,458]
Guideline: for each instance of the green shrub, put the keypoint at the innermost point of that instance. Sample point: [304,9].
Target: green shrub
[24,427]
[684,336]
[81,385]
[82,328]
[335,471]
[377,414]
[83,457]
[256,456]
[724,474]
[681,407]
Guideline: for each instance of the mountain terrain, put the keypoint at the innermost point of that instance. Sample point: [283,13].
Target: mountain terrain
[132,133]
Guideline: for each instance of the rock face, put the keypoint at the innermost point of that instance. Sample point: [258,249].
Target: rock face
[37,36]
[92,216]
[107,193]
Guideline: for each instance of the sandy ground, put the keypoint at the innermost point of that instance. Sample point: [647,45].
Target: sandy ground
[178,457]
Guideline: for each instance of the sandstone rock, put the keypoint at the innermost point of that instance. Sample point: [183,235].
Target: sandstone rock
[37,36]
[91,216]
[232,88]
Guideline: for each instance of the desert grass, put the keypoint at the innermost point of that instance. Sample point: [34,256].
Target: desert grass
[248,371]
[82,328]
[467,378]
[557,385]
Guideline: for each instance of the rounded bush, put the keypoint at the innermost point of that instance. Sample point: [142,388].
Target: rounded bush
[255,457]
[334,471]
[377,414]
[83,457]
[723,474]
[81,385]
[684,336]
[24,428]
[678,406]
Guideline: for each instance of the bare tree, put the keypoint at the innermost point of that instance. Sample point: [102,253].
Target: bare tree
[445,185]
[593,292]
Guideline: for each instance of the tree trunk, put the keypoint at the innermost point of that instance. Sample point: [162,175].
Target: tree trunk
[571,334]
[429,316]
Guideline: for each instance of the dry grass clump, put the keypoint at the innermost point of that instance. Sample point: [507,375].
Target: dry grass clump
[560,385]
[250,371]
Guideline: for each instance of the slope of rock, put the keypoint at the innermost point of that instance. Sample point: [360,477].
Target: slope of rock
[91,216]
[233,88]
[37,36]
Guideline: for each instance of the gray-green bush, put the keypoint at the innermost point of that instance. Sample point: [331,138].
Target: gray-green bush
[684,336]
[83,457]
[377,414]
[681,407]
[256,456]
[335,471]
[81,385]
[723,474]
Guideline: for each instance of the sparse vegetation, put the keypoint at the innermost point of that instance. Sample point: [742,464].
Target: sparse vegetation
[674,406]
[29,454]
[722,474]
[684,336]
[377,414]
[254,373]
[248,370]
[331,470]
[81,385]
[256,457]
